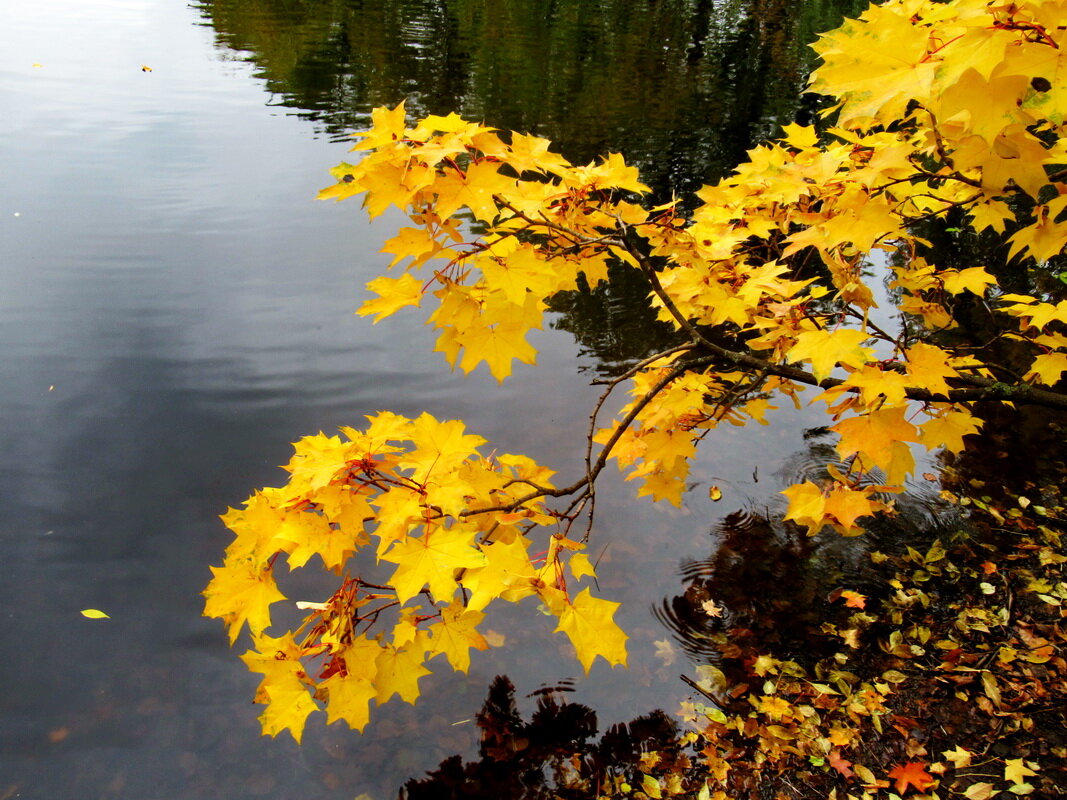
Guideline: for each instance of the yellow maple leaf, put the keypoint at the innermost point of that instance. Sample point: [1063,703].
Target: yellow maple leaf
[240,593]
[254,527]
[588,623]
[302,534]
[878,385]
[508,573]
[807,506]
[847,505]
[288,707]
[399,670]
[972,279]
[440,447]
[387,125]
[284,686]
[417,244]
[456,634]
[873,435]
[1047,368]
[826,349]
[928,367]
[473,188]
[348,698]
[948,428]
[393,294]
[1016,771]
[800,136]
[959,757]
[580,566]
[431,560]
[775,707]
[497,345]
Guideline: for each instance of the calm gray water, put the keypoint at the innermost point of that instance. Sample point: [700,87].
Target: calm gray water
[175,309]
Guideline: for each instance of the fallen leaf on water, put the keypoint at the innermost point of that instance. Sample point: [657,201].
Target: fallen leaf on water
[854,599]
[711,608]
[58,735]
[665,651]
[93,613]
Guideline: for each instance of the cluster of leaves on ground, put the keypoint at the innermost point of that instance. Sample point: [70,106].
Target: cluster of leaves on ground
[944,110]
[948,679]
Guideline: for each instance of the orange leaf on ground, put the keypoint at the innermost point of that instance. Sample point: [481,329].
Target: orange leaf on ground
[911,774]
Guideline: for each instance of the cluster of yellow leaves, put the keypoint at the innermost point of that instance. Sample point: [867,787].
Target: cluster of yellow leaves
[452,527]
[536,211]
[942,107]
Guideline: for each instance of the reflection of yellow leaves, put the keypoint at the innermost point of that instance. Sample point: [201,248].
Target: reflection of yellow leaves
[665,651]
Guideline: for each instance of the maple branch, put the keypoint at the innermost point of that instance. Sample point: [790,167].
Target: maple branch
[1057,176]
[582,238]
[678,370]
[668,303]
[976,388]
[640,365]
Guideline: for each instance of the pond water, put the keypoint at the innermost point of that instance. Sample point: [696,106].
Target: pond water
[175,309]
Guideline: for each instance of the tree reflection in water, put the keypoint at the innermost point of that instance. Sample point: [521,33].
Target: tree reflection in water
[769,580]
[554,755]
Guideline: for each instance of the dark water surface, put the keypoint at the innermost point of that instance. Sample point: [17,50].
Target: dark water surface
[175,309]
